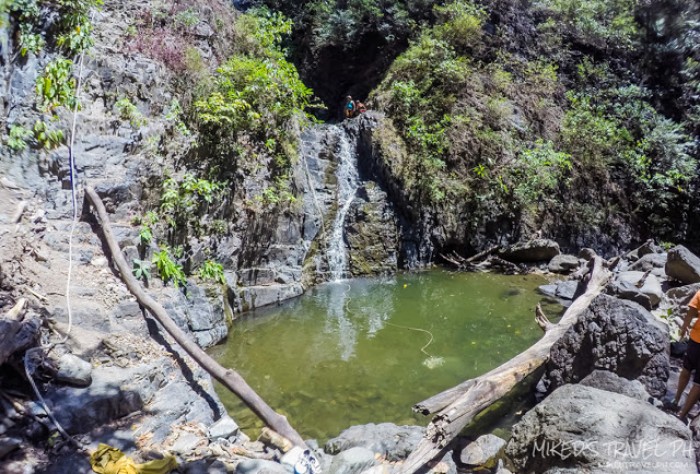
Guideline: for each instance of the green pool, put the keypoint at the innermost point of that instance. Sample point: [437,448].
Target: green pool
[357,352]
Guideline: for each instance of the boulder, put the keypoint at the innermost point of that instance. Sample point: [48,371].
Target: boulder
[587,254]
[224,428]
[74,371]
[605,380]
[683,265]
[682,295]
[649,262]
[626,285]
[563,263]
[392,442]
[584,429]
[482,452]
[615,335]
[536,250]
[353,461]
[566,289]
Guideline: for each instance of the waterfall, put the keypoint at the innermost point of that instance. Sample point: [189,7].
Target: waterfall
[348,182]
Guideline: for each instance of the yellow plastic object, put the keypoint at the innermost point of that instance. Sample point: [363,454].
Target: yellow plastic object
[109,460]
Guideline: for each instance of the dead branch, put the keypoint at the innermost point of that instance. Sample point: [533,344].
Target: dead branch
[228,377]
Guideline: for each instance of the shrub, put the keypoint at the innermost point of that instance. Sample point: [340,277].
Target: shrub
[539,172]
[17,140]
[128,111]
[168,269]
[55,87]
[210,270]
[254,96]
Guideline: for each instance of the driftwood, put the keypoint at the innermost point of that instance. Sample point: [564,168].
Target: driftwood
[228,377]
[467,263]
[456,407]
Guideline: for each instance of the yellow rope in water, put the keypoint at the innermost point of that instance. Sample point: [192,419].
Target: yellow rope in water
[422,349]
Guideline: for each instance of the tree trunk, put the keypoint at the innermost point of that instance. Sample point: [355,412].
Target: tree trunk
[228,377]
[457,406]
[17,334]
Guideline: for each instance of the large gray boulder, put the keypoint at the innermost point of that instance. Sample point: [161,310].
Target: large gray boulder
[630,286]
[683,265]
[392,442]
[536,250]
[563,263]
[615,335]
[584,429]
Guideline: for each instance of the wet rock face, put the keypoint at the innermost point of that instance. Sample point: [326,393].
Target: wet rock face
[615,335]
[371,233]
[584,429]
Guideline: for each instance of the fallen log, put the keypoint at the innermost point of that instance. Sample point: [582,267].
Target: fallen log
[228,377]
[456,407]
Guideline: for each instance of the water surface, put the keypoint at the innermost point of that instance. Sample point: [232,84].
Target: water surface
[355,352]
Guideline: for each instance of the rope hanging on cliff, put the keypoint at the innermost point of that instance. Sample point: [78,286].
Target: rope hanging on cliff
[29,366]
[74,199]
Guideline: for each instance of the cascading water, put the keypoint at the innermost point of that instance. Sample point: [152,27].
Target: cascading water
[348,182]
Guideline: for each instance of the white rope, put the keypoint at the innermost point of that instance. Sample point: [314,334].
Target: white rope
[74,202]
[74,199]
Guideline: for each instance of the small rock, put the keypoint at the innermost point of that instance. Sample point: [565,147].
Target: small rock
[605,380]
[353,461]
[224,428]
[186,443]
[7,445]
[74,371]
[99,261]
[392,442]
[260,466]
[482,452]
[649,262]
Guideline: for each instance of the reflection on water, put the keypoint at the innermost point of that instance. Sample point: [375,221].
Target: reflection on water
[355,351]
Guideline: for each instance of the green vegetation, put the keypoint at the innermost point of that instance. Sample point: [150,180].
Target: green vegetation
[167,268]
[46,137]
[141,270]
[128,111]
[536,133]
[55,87]
[210,270]
[598,23]
[256,95]
[17,140]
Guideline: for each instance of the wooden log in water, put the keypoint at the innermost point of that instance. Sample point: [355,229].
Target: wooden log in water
[456,407]
[229,378]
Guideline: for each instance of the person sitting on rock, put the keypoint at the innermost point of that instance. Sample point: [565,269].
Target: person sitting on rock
[691,361]
[349,107]
[360,107]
